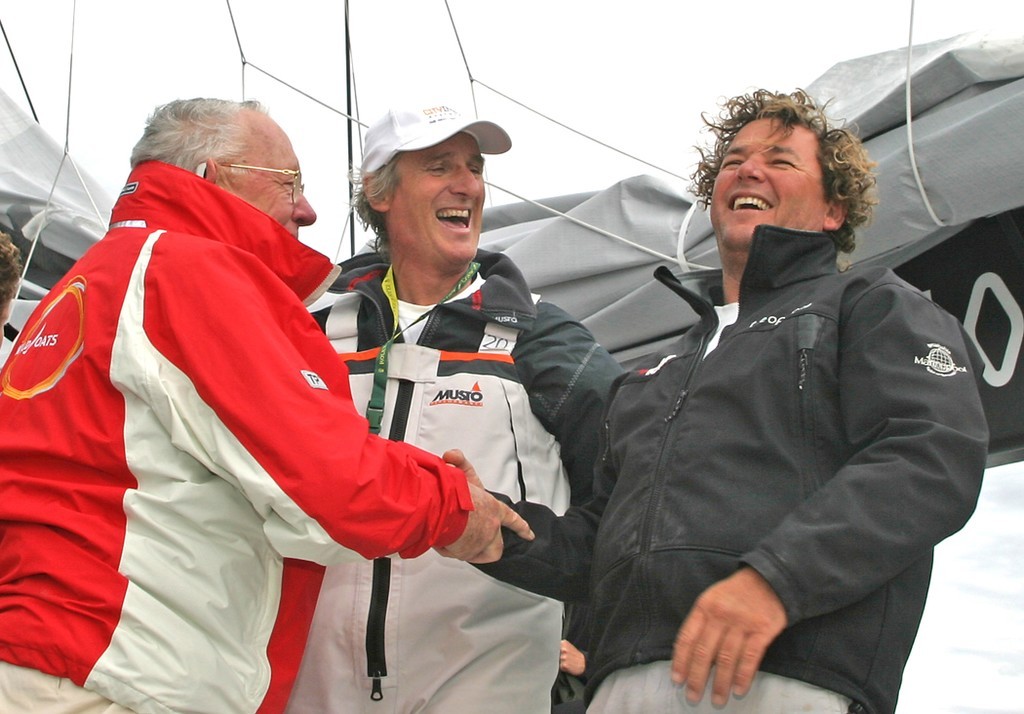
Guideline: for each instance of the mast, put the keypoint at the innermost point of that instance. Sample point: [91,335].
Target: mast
[348,123]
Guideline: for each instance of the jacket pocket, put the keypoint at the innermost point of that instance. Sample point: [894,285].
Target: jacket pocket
[809,328]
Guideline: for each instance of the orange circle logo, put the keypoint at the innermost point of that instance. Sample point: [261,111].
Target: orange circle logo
[48,347]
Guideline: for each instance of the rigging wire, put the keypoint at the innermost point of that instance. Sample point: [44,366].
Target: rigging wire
[246,64]
[17,69]
[238,43]
[910,124]
[305,94]
[469,76]
[352,97]
[584,224]
[465,60]
[71,69]
[474,81]
[472,89]
[350,216]
[48,208]
[28,98]
[352,118]
[579,133]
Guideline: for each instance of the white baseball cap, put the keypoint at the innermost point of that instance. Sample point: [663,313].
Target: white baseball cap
[410,130]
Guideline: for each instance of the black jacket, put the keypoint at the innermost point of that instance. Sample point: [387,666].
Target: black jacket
[833,437]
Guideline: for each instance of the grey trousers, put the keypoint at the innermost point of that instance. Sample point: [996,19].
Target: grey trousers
[648,689]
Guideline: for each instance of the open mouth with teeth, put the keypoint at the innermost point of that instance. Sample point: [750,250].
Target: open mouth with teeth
[750,203]
[456,216]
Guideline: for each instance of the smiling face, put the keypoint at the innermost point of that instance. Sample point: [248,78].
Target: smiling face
[771,177]
[433,217]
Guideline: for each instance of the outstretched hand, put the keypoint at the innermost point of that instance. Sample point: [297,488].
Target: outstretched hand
[482,541]
[729,629]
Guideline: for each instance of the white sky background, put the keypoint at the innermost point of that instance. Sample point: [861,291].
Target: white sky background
[635,75]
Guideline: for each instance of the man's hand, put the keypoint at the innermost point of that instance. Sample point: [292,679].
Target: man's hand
[729,628]
[482,542]
[571,660]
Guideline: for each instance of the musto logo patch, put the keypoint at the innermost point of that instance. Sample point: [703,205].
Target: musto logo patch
[49,345]
[462,397]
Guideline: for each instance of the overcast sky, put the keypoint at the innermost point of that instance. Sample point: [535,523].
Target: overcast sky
[634,75]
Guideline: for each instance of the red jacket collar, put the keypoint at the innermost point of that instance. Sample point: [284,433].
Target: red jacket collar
[161,196]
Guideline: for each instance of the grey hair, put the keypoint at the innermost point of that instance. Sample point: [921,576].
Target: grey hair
[372,187]
[187,132]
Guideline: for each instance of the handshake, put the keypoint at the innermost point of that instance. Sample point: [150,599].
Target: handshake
[482,541]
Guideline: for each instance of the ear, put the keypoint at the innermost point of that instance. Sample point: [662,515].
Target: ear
[835,216]
[208,170]
[380,205]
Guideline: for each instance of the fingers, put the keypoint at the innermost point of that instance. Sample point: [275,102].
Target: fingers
[490,552]
[507,517]
[482,540]
[495,545]
[571,660]
[706,651]
[749,661]
[456,458]
[726,663]
[693,654]
[728,631]
[515,523]
[729,660]
[471,551]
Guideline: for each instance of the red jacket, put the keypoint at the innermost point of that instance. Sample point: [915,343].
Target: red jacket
[178,443]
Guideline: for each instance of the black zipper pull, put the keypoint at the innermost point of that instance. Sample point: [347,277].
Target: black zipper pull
[677,406]
[376,664]
[808,329]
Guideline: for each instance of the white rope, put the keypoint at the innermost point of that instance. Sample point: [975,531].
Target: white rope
[910,124]
[685,264]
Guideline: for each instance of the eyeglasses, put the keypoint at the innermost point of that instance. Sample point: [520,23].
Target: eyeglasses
[298,188]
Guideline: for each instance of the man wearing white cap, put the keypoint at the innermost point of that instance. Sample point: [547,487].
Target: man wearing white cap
[446,345]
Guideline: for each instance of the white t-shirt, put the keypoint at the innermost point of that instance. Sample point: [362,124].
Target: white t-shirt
[409,315]
[727,315]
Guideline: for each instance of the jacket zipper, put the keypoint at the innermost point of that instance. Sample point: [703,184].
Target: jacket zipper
[655,497]
[376,661]
[808,330]
[376,618]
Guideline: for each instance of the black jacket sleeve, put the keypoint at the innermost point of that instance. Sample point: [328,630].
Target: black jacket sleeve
[567,375]
[557,562]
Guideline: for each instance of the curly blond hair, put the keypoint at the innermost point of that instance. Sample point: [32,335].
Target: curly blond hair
[10,269]
[847,171]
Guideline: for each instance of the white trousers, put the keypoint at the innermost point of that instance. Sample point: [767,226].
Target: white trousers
[648,689]
[29,690]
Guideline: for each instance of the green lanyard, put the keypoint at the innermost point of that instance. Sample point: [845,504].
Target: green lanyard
[375,408]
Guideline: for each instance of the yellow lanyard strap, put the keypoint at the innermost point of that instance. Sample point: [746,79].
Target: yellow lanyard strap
[375,407]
